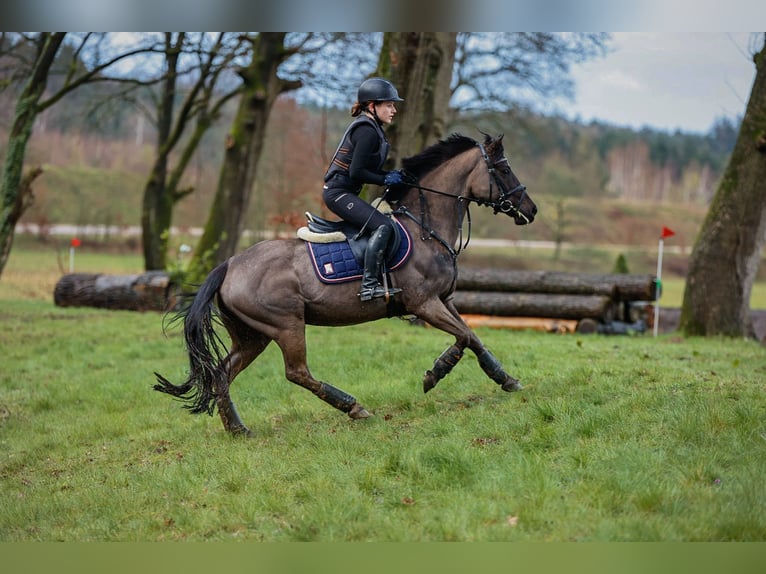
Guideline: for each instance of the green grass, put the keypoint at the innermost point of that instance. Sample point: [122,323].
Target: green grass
[622,438]
[614,438]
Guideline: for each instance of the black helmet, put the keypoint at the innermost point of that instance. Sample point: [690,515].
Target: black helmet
[377,90]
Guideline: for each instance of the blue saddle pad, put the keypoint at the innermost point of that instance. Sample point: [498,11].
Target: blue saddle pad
[335,262]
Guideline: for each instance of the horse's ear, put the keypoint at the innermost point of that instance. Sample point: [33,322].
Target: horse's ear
[493,143]
[488,139]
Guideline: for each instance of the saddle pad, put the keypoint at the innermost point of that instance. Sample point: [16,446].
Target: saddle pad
[335,262]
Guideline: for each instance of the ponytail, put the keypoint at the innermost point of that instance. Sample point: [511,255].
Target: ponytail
[357,109]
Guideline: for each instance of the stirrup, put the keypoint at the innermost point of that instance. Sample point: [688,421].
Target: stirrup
[377,292]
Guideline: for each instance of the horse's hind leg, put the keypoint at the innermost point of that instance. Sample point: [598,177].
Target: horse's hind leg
[293,346]
[236,362]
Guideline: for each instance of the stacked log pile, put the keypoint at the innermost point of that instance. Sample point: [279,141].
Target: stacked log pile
[553,301]
[588,301]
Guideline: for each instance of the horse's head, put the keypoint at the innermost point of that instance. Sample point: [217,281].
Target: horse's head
[497,186]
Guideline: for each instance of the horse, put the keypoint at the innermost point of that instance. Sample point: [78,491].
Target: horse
[270,291]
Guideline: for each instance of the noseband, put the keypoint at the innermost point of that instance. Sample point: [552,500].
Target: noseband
[503,202]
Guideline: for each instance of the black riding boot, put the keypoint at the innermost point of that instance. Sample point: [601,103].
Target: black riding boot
[373,262]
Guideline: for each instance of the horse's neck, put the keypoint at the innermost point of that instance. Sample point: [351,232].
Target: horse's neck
[440,212]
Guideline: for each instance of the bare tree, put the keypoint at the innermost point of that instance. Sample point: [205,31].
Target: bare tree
[208,57]
[16,195]
[34,57]
[420,64]
[261,87]
[727,252]
[498,70]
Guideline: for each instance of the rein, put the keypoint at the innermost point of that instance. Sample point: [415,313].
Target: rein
[503,204]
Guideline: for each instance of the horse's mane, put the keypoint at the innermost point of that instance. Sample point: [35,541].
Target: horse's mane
[435,155]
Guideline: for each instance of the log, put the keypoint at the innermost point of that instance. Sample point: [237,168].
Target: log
[600,307]
[616,286]
[149,291]
[522,323]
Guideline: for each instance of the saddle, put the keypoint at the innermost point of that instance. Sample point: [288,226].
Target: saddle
[337,250]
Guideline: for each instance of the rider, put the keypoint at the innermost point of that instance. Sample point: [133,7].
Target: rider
[358,160]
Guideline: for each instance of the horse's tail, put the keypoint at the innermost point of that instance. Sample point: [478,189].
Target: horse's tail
[206,349]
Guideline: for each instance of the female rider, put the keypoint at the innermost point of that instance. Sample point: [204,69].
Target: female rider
[358,160]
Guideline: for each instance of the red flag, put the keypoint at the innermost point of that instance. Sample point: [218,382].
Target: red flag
[667,232]
[75,242]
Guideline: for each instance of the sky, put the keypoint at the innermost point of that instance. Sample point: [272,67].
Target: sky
[666,80]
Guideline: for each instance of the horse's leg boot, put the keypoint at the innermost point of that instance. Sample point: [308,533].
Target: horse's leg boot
[373,262]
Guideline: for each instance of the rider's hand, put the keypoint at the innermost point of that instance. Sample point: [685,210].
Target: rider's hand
[393,177]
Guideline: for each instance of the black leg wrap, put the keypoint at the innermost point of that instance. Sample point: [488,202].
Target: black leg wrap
[442,366]
[335,397]
[490,365]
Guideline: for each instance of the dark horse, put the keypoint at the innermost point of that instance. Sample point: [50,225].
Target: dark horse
[270,291]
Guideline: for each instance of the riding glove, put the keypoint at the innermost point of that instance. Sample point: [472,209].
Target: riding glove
[393,177]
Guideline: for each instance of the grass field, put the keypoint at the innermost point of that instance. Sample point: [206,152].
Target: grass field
[613,439]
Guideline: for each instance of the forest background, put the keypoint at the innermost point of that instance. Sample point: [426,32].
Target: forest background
[596,184]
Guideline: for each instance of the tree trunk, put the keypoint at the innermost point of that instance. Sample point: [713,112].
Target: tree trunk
[600,307]
[146,292]
[616,286]
[156,217]
[12,202]
[727,252]
[162,190]
[244,143]
[420,65]
[157,210]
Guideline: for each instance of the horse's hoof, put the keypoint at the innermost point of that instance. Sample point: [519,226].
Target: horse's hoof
[359,412]
[241,432]
[511,385]
[429,381]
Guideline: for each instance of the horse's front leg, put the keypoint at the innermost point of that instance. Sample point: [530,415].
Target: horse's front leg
[490,365]
[442,366]
[487,361]
[444,316]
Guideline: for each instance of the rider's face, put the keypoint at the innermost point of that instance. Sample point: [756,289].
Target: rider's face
[386,111]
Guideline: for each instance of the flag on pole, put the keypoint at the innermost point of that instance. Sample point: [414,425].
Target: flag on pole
[72,246]
[666,232]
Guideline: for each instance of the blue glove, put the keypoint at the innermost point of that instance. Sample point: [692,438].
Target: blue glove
[393,177]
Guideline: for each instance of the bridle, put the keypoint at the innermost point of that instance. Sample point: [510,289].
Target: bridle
[503,203]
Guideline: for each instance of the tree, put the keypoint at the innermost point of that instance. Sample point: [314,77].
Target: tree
[420,64]
[15,196]
[202,101]
[261,87]
[89,59]
[727,251]
[495,71]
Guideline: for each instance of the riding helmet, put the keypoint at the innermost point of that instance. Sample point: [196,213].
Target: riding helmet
[377,90]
